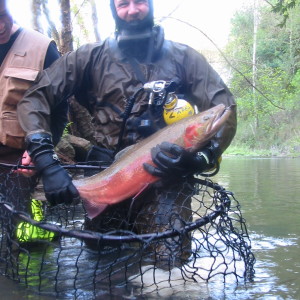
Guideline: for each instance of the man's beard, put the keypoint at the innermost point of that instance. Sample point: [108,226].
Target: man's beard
[136,25]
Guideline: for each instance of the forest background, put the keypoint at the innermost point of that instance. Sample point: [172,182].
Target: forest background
[260,62]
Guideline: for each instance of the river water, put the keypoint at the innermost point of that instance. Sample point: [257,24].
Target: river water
[268,191]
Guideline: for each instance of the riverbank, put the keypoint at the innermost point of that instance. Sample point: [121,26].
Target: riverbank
[234,150]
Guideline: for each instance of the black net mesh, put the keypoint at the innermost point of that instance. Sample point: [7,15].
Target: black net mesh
[192,231]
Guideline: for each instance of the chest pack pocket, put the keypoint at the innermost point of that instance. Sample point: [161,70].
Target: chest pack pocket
[16,82]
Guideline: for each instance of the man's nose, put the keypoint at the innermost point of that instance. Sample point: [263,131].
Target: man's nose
[132,9]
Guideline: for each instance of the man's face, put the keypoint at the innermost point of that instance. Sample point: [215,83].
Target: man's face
[6,23]
[132,10]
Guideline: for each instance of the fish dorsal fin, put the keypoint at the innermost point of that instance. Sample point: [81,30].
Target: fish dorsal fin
[122,152]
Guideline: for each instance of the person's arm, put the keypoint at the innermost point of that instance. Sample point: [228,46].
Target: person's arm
[58,186]
[205,88]
[53,86]
[59,117]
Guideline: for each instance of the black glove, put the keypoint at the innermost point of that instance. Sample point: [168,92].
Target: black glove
[57,183]
[172,160]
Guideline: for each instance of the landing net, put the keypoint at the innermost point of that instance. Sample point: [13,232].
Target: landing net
[190,232]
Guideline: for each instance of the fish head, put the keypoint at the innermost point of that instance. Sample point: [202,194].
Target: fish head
[204,126]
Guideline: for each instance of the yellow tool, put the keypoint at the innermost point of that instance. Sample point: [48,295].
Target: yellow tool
[176,109]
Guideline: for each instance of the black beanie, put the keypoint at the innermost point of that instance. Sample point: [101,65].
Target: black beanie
[148,22]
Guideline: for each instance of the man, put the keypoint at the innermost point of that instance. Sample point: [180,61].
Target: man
[102,77]
[23,53]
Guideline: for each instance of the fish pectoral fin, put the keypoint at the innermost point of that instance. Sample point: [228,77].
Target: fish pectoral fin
[93,210]
[143,189]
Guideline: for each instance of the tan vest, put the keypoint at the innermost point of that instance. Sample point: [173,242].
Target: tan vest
[17,73]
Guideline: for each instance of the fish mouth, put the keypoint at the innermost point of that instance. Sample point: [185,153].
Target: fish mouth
[220,118]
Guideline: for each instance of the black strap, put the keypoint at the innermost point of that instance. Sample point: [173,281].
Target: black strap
[135,65]
[125,116]
[141,77]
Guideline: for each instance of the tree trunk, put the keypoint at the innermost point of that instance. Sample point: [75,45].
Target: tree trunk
[81,121]
[52,31]
[66,33]
[254,66]
[79,117]
[36,14]
[95,20]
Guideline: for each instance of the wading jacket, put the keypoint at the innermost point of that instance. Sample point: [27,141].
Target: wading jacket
[17,73]
[102,79]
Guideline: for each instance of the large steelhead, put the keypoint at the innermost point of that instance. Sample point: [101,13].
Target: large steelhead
[126,177]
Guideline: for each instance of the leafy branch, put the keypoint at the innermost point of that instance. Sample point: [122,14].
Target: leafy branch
[227,60]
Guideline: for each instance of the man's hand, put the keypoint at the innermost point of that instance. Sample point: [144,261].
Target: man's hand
[57,183]
[172,160]
[26,161]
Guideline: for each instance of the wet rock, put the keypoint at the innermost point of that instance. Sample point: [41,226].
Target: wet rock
[72,149]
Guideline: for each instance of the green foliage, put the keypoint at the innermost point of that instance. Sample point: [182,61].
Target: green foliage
[67,129]
[283,7]
[269,112]
[295,84]
[241,150]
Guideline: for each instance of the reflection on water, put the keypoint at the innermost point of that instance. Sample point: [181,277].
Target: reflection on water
[268,191]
